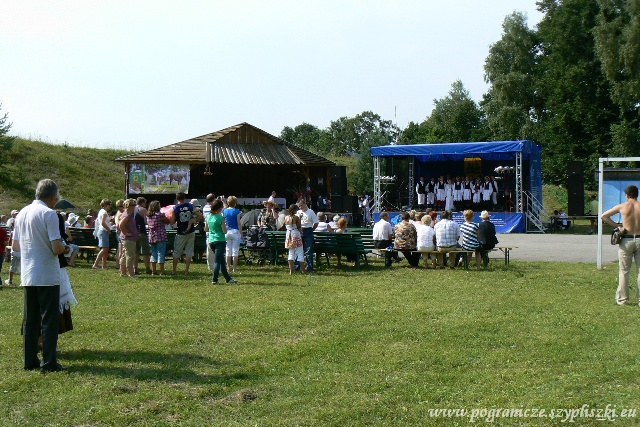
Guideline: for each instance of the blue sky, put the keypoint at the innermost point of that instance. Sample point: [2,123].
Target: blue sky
[143,74]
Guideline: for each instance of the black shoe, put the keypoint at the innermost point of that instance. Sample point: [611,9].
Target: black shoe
[214,282]
[56,368]
[32,367]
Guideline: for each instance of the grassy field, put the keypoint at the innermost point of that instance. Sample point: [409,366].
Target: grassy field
[373,347]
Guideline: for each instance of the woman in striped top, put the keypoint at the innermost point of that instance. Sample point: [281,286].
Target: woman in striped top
[469,233]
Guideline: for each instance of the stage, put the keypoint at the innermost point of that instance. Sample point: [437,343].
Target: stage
[505,222]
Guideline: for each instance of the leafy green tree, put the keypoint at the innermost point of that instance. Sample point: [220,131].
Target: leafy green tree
[6,142]
[348,134]
[305,135]
[577,108]
[416,133]
[512,103]
[617,35]
[363,175]
[457,117]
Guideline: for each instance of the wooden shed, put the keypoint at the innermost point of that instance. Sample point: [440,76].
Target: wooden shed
[240,160]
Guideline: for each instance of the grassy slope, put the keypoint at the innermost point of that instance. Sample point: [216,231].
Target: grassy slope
[84,175]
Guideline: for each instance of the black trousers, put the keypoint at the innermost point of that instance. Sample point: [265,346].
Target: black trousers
[384,244]
[412,258]
[41,313]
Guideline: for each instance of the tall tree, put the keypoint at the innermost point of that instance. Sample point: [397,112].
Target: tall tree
[6,142]
[578,111]
[416,133]
[617,36]
[348,134]
[512,103]
[305,135]
[457,117]
[363,175]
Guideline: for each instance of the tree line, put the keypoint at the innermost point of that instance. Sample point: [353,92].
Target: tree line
[571,84]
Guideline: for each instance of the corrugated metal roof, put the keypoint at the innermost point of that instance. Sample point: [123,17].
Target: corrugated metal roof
[242,144]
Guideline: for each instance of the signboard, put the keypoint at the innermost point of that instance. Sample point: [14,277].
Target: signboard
[150,179]
[473,166]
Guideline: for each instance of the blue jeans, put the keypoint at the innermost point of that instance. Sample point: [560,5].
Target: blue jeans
[158,251]
[219,261]
[307,244]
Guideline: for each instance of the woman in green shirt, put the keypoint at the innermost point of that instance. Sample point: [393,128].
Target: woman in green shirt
[217,228]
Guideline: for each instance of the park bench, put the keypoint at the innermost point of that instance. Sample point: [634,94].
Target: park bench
[86,241]
[505,250]
[366,234]
[329,243]
[326,243]
[276,243]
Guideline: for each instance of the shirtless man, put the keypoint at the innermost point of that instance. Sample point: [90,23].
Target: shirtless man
[630,244]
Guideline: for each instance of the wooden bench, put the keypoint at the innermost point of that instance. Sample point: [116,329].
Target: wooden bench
[86,241]
[276,243]
[465,254]
[366,234]
[327,243]
[340,244]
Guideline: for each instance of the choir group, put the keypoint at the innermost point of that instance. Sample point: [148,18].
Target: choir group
[459,194]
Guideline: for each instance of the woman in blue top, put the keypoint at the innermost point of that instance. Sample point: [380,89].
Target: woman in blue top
[232,217]
[217,228]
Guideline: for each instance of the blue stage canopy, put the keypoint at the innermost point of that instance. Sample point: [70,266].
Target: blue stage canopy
[499,150]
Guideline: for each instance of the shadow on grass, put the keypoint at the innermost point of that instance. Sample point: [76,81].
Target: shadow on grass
[150,366]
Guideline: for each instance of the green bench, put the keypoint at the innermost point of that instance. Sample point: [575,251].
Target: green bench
[366,234]
[340,244]
[276,244]
[199,245]
[326,243]
[86,241]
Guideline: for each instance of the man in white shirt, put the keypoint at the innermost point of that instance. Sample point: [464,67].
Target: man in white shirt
[447,235]
[309,222]
[383,238]
[37,238]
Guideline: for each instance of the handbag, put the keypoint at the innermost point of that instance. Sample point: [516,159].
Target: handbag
[617,235]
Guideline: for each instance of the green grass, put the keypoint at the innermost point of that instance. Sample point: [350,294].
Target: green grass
[343,348]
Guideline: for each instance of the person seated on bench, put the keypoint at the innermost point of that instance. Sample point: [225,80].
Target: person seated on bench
[447,235]
[564,220]
[406,238]
[469,232]
[383,238]
[426,238]
[342,228]
[487,232]
[323,225]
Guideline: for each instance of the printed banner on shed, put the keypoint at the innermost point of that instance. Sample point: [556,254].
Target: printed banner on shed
[150,179]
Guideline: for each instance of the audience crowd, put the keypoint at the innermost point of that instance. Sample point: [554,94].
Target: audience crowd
[141,232]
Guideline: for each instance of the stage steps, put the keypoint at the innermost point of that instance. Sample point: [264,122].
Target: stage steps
[537,216]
